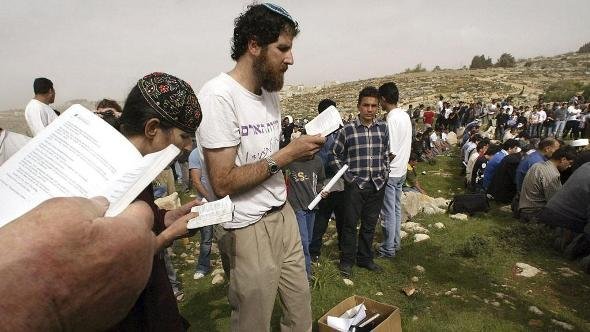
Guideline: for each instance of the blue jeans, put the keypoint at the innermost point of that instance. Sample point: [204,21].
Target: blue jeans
[305,219]
[392,216]
[559,126]
[204,263]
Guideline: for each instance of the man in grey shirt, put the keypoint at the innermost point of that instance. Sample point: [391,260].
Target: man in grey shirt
[542,181]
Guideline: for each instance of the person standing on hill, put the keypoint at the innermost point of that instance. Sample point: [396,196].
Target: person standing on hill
[363,145]
[38,114]
[241,111]
[400,145]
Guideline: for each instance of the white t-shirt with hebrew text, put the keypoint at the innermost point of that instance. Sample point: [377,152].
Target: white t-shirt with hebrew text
[234,116]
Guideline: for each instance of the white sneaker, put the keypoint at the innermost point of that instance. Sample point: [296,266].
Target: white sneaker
[198,275]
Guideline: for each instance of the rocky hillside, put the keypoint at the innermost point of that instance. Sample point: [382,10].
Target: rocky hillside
[524,82]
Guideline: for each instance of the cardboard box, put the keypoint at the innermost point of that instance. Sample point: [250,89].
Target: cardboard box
[391,323]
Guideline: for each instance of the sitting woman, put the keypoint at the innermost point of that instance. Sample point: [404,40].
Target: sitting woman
[160,110]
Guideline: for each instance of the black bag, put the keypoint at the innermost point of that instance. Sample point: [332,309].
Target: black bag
[469,203]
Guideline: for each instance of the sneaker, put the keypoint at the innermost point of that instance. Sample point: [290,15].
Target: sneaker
[383,256]
[179,296]
[371,267]
[345,270]
[198,275]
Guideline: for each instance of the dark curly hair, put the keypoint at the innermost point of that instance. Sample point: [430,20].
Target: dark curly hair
[262,25]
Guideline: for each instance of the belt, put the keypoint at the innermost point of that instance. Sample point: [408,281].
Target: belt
[275,209]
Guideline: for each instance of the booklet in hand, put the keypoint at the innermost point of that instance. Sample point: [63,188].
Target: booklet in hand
[78,154]
[212,213]
[325,123]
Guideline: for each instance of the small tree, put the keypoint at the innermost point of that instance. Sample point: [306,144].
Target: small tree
[436,68]
[506,60]
[562,90]
[585,48]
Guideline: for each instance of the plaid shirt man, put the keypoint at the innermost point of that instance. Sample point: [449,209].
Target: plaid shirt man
[365,150]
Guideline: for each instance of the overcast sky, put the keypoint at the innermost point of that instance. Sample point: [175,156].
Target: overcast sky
[94,49]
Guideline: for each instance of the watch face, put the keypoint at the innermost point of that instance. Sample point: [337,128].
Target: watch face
[274,169]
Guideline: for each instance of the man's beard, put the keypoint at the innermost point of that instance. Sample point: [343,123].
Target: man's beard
[270,79]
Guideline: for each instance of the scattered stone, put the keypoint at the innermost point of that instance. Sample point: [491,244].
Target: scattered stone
[413,227]
[535,310]
[348,282]
[415,279]
[486,301]
[190,261]
[527,271]
[217,279]
[453,289]
[536,323]
[183,255]
[217,271]
[403,234]
[500,295]
[328,242]
[439,225]
[567,272]
[448,292]
[506,208]
[378,294]
[414,318]
[563,325]
[459,216]
[496,304]
[409,291]
[457,296]
[420,237]
[419,269]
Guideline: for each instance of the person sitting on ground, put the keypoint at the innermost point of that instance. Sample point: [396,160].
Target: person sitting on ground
[569,209]
[508,147]
[545,149]
[412,184]
[479,168]
[503,188]
[541,182]
[481,148]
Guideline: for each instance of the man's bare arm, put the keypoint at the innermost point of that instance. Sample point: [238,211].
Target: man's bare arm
[227,178]
[196,179]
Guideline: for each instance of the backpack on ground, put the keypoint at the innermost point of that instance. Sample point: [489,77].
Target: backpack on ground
[469,203]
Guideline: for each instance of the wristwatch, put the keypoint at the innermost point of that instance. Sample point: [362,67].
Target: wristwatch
[273,167]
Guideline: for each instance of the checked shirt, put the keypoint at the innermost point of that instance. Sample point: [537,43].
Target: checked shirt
[365,150]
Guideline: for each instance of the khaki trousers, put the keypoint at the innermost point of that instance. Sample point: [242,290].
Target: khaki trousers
[265,257]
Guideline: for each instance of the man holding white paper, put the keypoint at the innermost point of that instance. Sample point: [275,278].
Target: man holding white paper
[242,117]
[399,127]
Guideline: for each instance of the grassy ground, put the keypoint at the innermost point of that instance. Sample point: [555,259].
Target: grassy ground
[476,257]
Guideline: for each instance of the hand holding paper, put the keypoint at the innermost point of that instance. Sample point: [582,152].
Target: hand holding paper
[329,186]
[325,123]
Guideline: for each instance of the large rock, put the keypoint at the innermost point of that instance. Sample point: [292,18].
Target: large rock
[414,203]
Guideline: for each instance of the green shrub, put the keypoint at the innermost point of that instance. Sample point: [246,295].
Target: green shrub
[475,245]
[562,90]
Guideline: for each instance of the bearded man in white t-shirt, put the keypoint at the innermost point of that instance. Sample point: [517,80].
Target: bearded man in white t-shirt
[38,113]
[240,137]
